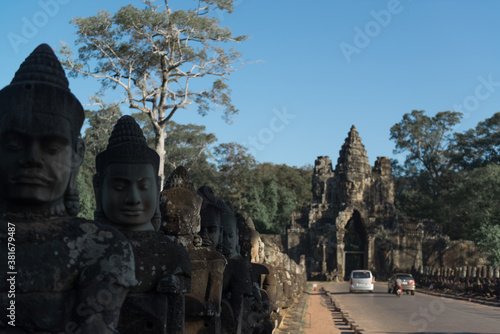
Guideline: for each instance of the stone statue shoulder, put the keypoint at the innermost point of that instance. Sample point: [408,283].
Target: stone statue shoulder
[61,264]
[75,252]
[161,264]
[237,276]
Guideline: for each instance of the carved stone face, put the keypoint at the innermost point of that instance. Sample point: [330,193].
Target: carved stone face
[181,211]
[210,226]
[245,238]
[130,195]
[37,158]
[255,247]
[261,250]
[269,254]
[230,237]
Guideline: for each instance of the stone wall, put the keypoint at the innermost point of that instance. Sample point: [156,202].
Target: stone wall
[463,280]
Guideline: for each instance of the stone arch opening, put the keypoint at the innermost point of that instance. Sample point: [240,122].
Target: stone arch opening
[355,244]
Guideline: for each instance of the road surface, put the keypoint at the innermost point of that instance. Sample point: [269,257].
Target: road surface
[380,312]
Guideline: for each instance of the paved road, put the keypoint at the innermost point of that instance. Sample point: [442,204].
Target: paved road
[380,312]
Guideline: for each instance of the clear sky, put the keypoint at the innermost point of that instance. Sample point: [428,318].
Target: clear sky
[325,65]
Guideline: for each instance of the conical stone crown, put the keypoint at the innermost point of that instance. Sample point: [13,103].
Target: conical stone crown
[127,144]
[126,131]
[40,86]
[179,179]
[42,65]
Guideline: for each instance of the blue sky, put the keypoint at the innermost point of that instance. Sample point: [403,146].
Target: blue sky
[323,67]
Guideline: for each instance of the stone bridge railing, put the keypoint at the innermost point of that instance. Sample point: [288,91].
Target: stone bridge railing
[467,280]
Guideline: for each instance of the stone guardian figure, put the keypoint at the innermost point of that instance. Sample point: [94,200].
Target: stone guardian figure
[127,190]
[71,275]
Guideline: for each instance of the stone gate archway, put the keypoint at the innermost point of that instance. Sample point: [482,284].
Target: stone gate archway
[355,244]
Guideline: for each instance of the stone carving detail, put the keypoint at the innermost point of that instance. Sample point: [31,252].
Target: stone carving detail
[69,274]
[127,185]
[182,211]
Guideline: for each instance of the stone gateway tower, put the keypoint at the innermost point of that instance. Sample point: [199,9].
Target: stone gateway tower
[352,222]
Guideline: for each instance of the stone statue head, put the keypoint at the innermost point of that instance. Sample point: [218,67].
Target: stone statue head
[270,252]
[257,247]
[40,145]
[245,237]
[126,183]
[180,205]
[230,238]
[211,216]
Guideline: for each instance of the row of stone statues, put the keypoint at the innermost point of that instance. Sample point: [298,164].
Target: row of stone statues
[471,281]
[175,261]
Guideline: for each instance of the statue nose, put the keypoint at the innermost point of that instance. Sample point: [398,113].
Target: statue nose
[32,156]
[133,196]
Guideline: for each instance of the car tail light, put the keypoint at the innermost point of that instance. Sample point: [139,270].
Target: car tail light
[412,282]
[372,280]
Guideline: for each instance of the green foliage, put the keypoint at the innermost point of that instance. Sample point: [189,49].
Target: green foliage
[273,192]
[471,202]
[488,239]
[100,125]
[87,198]
[478,147]
[425,139]
[453,179]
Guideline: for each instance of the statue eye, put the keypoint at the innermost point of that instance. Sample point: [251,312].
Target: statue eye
[144,185]
[13,141]
[53,148]
[54,144]
[118,185]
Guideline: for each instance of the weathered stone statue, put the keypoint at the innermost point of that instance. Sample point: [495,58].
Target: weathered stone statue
[127,189]
[256,317]
[273,283]
[265,277]
[237,284]
[181,208]
[66,274]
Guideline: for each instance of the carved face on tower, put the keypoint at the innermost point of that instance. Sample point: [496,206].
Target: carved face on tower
[126,183]
[211,216]
[40,150]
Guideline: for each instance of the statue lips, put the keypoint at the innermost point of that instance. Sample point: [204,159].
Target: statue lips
[132,213]
[31,179]
[207,243]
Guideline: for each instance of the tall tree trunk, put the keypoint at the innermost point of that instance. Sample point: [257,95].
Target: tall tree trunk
[160,149]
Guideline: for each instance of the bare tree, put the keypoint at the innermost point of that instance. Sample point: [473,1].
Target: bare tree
[153,54]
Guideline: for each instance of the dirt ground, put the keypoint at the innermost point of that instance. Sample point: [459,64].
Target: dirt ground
[320,317]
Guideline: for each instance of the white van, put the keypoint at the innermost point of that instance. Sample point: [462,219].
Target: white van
[361,280]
